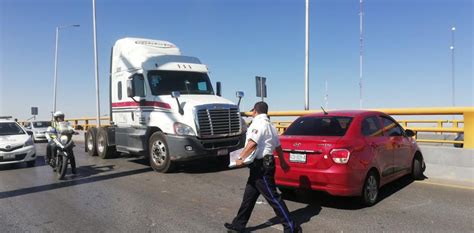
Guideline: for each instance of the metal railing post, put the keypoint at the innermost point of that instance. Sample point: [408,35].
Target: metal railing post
[469,130]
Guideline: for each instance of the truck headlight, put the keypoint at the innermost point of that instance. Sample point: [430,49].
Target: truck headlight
[183,129]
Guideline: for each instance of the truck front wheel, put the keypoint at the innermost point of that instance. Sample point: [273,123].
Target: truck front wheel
[159,153]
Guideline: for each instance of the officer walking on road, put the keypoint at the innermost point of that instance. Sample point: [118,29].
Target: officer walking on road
[262,139]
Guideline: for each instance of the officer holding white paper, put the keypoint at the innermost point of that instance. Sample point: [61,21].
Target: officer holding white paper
[262,140]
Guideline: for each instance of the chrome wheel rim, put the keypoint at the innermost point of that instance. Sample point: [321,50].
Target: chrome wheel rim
[371,189]
[158,152]
[100,144]
[90,143]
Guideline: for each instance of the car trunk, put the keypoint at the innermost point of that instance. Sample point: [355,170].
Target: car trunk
[309,151]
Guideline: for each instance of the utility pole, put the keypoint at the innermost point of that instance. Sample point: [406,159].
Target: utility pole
[96,64]
[361,41]
[326,97]
[453,88]
[306,62]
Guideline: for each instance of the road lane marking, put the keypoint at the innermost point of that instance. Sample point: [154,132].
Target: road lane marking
[447,185]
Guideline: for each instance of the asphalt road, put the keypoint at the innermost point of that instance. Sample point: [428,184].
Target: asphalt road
[125,195]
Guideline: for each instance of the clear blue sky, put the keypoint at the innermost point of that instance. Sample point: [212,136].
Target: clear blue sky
[407,55]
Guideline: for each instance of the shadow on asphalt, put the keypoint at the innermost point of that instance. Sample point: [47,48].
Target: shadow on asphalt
[300,216]
[68,183]
[316,200]
[323,199]
[39,162]
[198,166]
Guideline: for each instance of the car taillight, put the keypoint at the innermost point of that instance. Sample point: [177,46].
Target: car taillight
[340,156]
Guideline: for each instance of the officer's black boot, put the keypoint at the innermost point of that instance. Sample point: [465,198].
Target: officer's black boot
[232,229]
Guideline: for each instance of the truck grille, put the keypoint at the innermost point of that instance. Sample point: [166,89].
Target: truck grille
[218,122]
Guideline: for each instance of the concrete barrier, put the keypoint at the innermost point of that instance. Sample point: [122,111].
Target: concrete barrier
[449,164]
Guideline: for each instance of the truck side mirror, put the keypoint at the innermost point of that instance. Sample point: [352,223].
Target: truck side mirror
[239,94]
[136,86]
[176,95]
[218,89]
[130,89]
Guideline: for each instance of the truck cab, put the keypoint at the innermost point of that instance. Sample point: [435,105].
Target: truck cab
[163,106]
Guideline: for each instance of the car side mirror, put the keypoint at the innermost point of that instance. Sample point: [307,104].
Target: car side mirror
[29,132]
[409,133]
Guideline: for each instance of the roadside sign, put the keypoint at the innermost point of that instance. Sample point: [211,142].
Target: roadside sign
[34,111]
[260,83]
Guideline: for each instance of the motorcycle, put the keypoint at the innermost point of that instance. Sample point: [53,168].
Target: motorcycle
[64,150]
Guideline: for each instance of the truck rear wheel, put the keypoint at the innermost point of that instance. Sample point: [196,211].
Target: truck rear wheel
[159,153]
[103,149]
[91,141]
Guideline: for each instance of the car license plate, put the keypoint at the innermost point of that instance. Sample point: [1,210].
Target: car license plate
[297,158]
[222,152]
[8,156]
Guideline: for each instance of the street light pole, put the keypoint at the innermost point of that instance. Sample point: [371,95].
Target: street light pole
[306,65]
[96,65]
[453,29]
[56,63]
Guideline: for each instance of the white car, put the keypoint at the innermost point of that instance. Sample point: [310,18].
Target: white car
[16,145]
[38,128]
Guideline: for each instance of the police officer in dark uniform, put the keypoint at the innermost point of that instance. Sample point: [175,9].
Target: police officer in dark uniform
[262,140]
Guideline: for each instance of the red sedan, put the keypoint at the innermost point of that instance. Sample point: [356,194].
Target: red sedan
[347,153]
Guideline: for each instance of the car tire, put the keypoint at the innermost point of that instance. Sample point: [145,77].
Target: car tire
[31,163]
[370,190]
[158,153]
[91,142]
[103,149]
[417,169]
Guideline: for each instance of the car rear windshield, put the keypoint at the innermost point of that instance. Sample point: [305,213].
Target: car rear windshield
[319,126]
[41,124]
[10,128]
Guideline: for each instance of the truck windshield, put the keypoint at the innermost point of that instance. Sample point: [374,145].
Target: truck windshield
[164,82]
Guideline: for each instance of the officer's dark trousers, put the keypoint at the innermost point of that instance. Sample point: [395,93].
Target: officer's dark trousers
[262,181]
[50,150]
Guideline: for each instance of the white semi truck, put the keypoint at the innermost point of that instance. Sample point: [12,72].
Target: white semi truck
[163,106]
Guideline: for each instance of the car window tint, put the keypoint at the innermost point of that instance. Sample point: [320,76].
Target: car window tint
[391,128]
[371,127]
[319,126]
[10,128]
[41,124]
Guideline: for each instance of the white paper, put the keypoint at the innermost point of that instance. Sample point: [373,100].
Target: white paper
[234,155]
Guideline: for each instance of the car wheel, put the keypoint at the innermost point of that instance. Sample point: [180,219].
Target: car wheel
[159,155]
[31,163]
[91,142]
[417,169]
[370,191]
